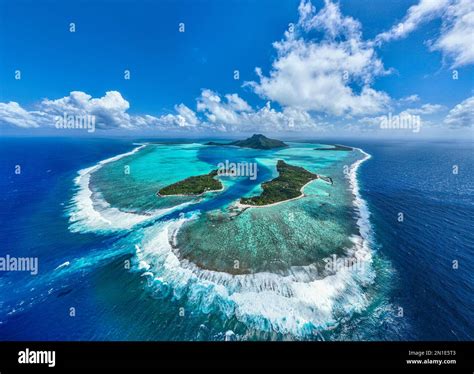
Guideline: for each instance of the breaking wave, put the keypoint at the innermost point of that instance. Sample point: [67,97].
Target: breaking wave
[90,212]
[299,303]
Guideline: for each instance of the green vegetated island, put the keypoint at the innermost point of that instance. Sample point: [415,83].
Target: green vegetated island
[193,185]
[286,186]
[256,141]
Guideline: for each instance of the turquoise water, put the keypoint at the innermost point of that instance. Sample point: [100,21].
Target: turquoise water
[131,183]
[131,273]
[264,268]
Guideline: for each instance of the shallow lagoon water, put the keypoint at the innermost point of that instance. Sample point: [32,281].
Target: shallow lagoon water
[263,267]
[295,233]
[164,296]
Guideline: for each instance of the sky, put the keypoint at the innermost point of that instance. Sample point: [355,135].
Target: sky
[219,68]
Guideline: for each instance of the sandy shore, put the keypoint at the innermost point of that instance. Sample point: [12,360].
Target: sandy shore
[238,205]
[191,195]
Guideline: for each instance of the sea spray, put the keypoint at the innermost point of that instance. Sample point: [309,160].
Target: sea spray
[298,303]
[290,304]
[90,212]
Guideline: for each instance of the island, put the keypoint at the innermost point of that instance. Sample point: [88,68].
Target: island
[287,186]
[336,147]
[193,186]
[256,141]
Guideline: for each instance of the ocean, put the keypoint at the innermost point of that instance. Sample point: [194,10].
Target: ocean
[109,267]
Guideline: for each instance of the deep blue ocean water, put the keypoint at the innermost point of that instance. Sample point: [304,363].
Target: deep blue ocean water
[416,179]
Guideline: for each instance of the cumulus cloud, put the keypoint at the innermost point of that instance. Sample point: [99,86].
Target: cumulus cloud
[13,114]
[462,115]
[426,109]
[410,99]
[421,112]
[232,113]
[424,11]
[110,112]
[323,68]
[221,113]
[184,118]
[456,39]
[329,20]
[319,75]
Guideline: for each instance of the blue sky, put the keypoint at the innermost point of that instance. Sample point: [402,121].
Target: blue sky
[179,80]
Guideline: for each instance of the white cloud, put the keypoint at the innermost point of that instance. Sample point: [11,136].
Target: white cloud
[320,75]
[185,117]
[329,20]
[235,114]
[421,111]
[377,120]
[462,115]
[12,113]
[410,99]
[457,37]
[227,113]
[110,111]
[218,111]
[424,11]
[237,103]
[310,79]
[426,109]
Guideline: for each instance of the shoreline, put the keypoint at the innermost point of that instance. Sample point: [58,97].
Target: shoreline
[260,286]
[239,205]
[354,186]
[192,195]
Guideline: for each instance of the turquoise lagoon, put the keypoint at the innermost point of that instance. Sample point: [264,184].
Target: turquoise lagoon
[280,269]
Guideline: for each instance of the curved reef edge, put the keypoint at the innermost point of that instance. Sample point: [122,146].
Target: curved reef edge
[336,147]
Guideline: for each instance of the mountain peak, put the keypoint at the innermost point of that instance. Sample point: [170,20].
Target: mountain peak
[260,141]
[257,141]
